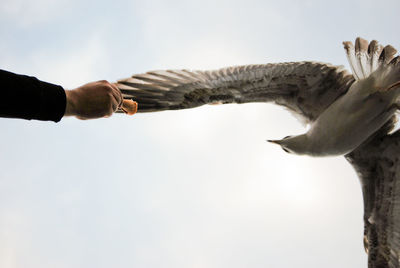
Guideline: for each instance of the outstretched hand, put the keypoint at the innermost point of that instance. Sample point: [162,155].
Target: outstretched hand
[96,100]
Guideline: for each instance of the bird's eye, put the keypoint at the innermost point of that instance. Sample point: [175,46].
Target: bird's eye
[286,150]
[287,137]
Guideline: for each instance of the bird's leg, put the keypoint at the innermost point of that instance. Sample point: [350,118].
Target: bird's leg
[383,117]
[394,85]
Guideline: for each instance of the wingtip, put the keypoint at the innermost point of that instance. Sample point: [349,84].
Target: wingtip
[347,44]
[387,54]
[361,45]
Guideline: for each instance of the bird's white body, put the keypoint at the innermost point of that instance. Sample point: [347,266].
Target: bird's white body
[370,102]
[350,120]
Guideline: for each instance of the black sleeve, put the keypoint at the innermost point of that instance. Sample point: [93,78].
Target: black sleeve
[27,97]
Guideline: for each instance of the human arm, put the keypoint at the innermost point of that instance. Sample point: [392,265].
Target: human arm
[27,97]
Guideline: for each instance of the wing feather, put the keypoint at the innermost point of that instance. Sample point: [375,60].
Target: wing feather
[377,163]
[306,88]
[366,58]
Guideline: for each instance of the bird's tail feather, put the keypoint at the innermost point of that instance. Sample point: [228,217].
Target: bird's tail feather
[366,58]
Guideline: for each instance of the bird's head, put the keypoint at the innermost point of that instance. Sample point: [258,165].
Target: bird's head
[294,144]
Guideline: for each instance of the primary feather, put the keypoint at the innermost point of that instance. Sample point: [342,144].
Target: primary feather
[306,88]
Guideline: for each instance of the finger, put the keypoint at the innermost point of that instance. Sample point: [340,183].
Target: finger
[117,94]
[114,105]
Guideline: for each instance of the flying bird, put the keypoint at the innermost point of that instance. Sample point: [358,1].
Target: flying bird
[348,114]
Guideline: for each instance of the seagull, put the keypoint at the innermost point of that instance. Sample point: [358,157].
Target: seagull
[350,114]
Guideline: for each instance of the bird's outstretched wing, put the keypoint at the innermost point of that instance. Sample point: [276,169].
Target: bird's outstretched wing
[306,88]
[377,163]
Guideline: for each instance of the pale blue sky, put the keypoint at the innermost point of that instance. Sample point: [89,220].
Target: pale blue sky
[195,188]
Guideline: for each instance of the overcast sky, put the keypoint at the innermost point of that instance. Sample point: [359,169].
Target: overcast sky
[182,189]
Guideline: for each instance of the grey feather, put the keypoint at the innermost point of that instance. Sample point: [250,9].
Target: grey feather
[377,163]
[365,58]
[305,88]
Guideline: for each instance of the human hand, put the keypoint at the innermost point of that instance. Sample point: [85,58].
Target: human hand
[96,100]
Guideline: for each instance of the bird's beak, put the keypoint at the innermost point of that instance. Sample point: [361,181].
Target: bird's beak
[275,141]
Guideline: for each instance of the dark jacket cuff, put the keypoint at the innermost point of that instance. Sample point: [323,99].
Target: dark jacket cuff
[53,102]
